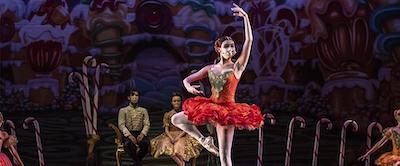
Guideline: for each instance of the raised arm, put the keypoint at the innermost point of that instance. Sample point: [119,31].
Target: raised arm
[194,77]
[379,144]
[243,59]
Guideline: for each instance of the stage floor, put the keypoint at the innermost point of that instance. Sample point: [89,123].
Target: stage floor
[63,139]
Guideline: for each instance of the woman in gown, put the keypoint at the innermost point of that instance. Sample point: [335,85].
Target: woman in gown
[174,142]
[393,134]
[220,109]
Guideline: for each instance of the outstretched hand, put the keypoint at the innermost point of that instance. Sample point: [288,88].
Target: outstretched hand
[238,11]
[192,89]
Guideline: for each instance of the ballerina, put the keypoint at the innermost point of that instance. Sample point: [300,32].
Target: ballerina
[220,109]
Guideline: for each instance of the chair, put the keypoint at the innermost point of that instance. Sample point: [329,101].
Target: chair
[118,142]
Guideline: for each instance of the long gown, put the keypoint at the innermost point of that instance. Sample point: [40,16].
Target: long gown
[221,107]
[186,147]
[390,158]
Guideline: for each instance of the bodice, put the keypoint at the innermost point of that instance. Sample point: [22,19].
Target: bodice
[395,142]
[167,121]
[223,86]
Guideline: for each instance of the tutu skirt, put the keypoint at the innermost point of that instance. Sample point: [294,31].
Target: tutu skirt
[387,159]
[201,110]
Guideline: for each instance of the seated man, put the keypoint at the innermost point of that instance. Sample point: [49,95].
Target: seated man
[134,123]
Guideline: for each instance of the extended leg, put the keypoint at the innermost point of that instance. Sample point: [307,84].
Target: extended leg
[181,121]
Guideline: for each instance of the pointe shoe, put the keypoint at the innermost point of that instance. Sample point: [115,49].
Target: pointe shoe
[208,143]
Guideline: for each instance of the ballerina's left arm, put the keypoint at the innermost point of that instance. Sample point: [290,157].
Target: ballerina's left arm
[243,59]
[386,137]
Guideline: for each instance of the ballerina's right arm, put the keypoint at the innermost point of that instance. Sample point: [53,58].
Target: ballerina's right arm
[195,77]
[379,144]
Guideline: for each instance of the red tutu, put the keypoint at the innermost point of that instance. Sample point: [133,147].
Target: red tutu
[201,110]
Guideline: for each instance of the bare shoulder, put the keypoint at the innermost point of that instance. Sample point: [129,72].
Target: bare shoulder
[205,69]
[208,67]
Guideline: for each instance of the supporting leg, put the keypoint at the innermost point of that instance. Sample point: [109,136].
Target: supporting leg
[225,139]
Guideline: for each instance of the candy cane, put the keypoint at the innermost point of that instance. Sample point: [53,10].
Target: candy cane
[369,136]
[1,120]
[96,92]
[290,136]
[12,127]
[86,61]
[317,138]
[272,121]
[38,139]
[83,101]
[343,139]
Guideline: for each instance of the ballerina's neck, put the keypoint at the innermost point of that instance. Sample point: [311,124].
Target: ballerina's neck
[224,61]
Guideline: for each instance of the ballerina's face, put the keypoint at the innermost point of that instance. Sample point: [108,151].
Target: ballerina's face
[228,49]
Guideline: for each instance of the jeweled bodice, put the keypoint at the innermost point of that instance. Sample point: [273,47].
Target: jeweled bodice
[395,142]
[223,86]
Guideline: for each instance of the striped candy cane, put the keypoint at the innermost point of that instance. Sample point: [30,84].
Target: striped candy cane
[38,139]
[290,137]
[88,60]
[343,139]
[317,138]
[10,124]
[83,100]
[95,104]
[369,136]
[1,120]
[272,121]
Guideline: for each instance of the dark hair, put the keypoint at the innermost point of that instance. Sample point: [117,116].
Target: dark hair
[218,44]
[220,40]
[176,94]
[133,90]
